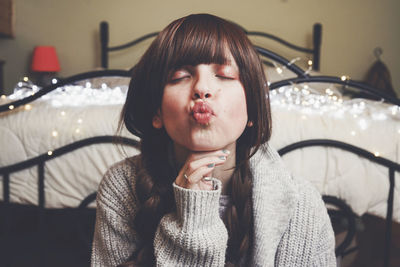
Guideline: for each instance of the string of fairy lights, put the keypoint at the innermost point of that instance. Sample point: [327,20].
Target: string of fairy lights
[306,100]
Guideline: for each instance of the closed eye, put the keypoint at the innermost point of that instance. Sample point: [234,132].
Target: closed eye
[179,75]
[178,79]
[224,77]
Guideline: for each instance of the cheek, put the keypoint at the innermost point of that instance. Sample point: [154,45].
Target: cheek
[237,109]
[172,106]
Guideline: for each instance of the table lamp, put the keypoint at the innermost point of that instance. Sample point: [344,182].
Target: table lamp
[45,62]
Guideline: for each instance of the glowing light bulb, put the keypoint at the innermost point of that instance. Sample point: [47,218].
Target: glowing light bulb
[25,79]
[54,81]
[62,113]
[279,70]
[377,154]
[328,91]
[103,86]
[363,124]
[3,97]
[50,153]
[310,62]
[77,130]
[54,133]
[80,121]
[344,77]
[11,107]
[353,133]
[28,107]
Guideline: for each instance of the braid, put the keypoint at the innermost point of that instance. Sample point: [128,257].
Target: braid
[238,218]
[155,196]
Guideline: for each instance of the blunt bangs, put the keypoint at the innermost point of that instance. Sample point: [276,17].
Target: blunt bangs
[199,41]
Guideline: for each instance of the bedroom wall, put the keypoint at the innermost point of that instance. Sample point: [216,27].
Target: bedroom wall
[351,30]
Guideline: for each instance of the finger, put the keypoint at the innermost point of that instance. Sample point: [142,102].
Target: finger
[200,173]
[207,161]
[199,155]
[190,174]
[206,184]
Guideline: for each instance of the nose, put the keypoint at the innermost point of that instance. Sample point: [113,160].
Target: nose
[201,95]
[202,88]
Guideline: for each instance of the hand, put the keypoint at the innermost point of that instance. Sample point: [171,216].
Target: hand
[198,168]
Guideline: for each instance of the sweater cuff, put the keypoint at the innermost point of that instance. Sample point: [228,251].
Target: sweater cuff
[197,208]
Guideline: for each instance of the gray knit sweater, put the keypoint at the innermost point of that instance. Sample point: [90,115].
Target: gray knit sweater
[291,225]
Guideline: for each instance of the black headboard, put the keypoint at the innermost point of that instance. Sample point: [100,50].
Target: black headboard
[314,51]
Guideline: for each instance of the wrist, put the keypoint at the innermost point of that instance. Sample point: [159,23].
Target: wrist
[197,208]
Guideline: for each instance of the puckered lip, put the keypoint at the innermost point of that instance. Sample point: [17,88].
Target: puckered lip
[202,107]
[202,112]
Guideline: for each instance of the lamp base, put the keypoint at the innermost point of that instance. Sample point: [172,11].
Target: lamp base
[44,78]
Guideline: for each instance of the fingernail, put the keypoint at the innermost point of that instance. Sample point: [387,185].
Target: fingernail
[226,151]
[211,165]
[222,157]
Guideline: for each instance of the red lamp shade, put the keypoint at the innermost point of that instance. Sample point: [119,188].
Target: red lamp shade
[45,59]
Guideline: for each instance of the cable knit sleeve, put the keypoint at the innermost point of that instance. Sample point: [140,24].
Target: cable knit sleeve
[324,252]
[194,235]
[309,239]
[114,239]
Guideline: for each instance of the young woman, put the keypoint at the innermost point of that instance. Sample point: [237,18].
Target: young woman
[207,189]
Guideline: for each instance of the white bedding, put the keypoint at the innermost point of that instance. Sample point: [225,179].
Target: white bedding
[60,120]
[55,121]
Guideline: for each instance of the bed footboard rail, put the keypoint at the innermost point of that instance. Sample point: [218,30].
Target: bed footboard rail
[391,166]
[40,161]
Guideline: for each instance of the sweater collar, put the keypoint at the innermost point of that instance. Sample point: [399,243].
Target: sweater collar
[274,200]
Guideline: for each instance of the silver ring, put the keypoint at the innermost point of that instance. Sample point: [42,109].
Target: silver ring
[186,177]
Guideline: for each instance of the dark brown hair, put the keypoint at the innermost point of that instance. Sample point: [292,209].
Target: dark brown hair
[192,40]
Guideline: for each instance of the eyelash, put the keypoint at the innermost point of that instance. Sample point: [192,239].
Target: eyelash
[178,79]
[224,77]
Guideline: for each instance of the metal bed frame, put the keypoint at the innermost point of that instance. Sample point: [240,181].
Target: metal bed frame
[315,51]
[302,77]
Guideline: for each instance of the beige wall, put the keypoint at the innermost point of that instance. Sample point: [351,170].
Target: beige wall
[351,30]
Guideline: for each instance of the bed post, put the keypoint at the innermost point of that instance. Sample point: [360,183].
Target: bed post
[317,36]
[104,44]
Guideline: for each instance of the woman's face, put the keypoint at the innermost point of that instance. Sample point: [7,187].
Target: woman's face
[203,107]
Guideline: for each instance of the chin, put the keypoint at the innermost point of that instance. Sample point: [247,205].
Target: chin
[206,146]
